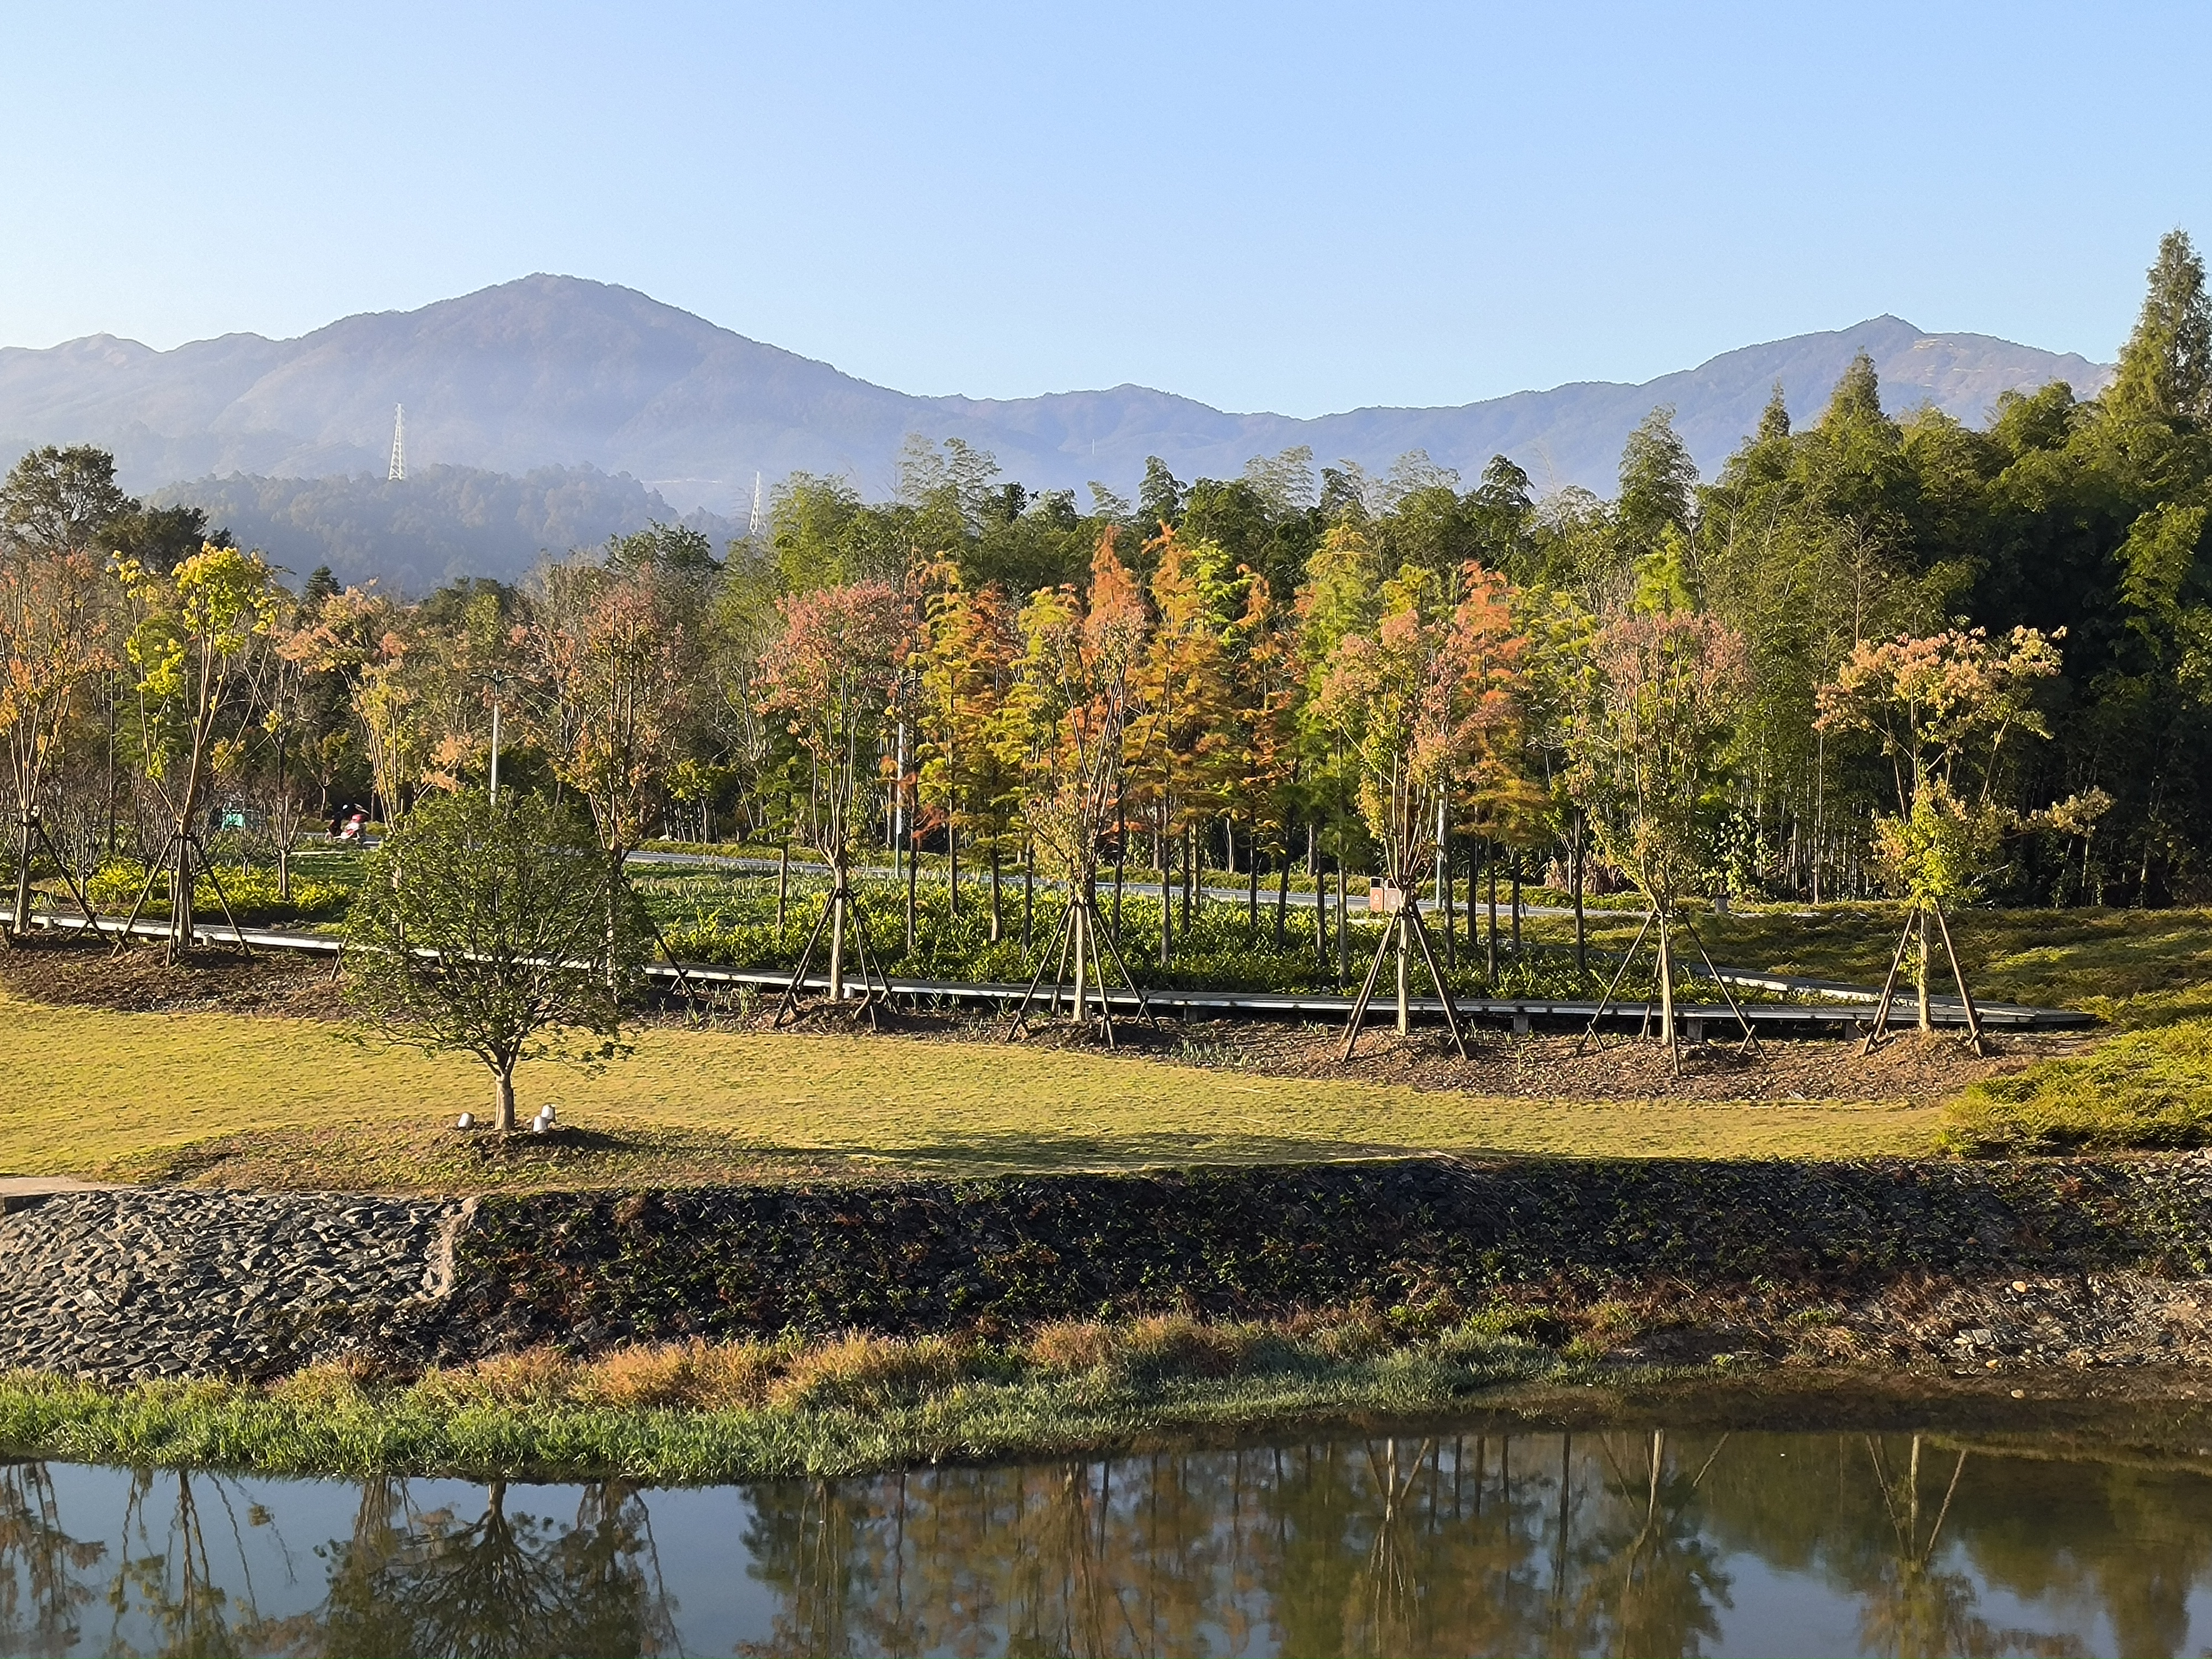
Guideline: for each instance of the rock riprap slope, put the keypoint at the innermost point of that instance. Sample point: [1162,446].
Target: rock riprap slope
[141,1283]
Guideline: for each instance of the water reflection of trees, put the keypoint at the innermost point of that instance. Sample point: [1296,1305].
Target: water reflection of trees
[499,1583]
[1612,1543]
[41,1590]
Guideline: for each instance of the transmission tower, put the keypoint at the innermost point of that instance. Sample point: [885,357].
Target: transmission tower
[753,529]
[398,472]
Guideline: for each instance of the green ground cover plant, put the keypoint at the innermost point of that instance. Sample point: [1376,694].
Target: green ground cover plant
[251,889]
[2150,1089]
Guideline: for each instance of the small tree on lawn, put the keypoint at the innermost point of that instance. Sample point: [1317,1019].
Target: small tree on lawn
[829,676]
[1650,760]
[482,930]
[1428,699]
[1943,708]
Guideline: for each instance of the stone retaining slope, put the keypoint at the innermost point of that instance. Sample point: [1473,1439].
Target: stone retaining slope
[139,1283]
[909,1256]
[2053,1260]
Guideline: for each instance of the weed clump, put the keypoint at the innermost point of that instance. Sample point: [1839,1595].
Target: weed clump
[695,1374]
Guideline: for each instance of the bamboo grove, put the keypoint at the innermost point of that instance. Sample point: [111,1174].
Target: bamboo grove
[1876,652]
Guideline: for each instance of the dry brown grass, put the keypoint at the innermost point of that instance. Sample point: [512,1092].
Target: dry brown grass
[698,1374]
[862,1370]
[1149,1345]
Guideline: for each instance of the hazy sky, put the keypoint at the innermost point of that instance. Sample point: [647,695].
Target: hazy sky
[1295,208]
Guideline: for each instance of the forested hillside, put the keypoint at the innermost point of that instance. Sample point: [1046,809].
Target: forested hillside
[438,523]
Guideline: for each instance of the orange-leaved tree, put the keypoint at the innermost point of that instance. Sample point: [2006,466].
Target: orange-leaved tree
[1180,748]
[1650,763]
[1942,708]
[1426,700]
[53,639]
[1066,725]
[829,676]
[969,644]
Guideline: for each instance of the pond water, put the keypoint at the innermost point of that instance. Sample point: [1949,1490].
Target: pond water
[1633,1542]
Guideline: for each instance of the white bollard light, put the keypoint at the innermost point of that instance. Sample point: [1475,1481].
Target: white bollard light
[468,1120]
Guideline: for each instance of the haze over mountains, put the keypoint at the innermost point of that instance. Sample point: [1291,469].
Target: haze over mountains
[566,385]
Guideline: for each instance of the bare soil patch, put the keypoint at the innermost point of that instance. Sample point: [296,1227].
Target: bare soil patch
[83,973]
[1541,1065]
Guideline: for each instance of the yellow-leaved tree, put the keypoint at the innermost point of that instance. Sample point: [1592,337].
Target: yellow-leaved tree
[197,630]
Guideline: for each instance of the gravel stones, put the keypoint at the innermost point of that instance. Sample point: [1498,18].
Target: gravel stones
[136,1283]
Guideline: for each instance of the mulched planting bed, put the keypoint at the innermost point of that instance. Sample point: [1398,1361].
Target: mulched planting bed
[85,974]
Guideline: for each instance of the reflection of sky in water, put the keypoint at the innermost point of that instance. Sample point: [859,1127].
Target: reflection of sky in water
[1751,1545]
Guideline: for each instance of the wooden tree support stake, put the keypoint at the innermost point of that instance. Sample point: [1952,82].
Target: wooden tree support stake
[1405,931]
[1750,1044]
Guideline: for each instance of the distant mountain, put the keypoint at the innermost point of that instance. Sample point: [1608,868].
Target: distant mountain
[439,523]
[554,371]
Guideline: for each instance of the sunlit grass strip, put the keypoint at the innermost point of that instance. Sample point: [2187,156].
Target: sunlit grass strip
[84,1090]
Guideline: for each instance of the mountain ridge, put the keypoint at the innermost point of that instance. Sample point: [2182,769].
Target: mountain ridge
[550,371]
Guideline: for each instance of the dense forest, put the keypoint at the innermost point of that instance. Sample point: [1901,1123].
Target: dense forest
[1701,687]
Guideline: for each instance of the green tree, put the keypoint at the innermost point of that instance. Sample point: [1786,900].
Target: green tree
[481,929]
[2166,368]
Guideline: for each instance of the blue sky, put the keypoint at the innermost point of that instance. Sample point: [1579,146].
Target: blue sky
[1295,208]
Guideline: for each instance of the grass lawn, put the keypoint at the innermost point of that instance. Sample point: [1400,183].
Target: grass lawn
[89,1090]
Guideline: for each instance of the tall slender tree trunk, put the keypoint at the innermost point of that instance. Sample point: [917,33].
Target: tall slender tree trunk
[1252,891]
[20,921]
[1922,967]
[1445,881]
[1075,925]
[1405,979]
[1028,897]
[1491,955]
[1167,896]
[1580,857]
[1191,859]
[994,890]
[1282,892]
[1343,924]
[836,934]
[1514,903]
[1321,896]
[502,1099]
[180,889]
[782,880]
